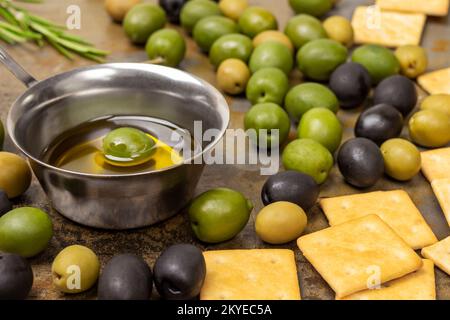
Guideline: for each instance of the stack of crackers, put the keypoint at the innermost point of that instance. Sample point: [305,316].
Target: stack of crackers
[436,168]
[368,252]
[394,23]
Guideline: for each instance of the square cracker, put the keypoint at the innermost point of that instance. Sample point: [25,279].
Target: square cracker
[436,164]
[387,28]
[259,274]
[419,285]
[429,7]
[441,188]
[440,254]
[394,207]
[436,82]
[346,255]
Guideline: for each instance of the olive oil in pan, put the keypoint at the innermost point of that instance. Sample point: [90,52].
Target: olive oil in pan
[81,149]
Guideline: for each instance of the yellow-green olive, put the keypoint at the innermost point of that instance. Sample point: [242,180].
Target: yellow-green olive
[430,128]
[233,8]
[340,29]
[75,269]
[233,76]
[15,174]
[439,102]
[280,222]
[402,159]
[272,35]
[117,9]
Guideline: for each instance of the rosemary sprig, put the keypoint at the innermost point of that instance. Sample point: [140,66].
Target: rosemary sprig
[18,25]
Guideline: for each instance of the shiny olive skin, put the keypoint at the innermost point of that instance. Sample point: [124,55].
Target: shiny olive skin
[15,174]
[233,76]
[379,123]
[339,29]
[255,20]
[87,264]
[25,231]
[5,204]
[195,10]
[402,160]
[430,128]
[309,95]
[304,28]
[439,102]
[413,60]
[280,222]
[272,35]
[267,85]
[233,9]
[230,46]
[313,7]
[360,162]
[127,147]
[271,55]
[142,20]
[291,186]
[16,277]
[166,47]
[379,61]
[308,156]
[397,91]
[179,272]
[125,277]
[319,58]
[351,84]
[219,214]
[209,29]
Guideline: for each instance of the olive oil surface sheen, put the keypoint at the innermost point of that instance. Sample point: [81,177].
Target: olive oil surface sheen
[81,148]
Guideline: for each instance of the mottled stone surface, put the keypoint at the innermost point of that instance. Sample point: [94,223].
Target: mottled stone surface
[148,242]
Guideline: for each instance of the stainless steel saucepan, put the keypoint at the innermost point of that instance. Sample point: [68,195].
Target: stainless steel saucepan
[57,104]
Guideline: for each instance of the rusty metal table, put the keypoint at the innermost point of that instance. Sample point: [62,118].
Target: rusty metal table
[148,242]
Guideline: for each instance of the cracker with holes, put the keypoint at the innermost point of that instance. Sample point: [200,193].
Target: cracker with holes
[257,274]
[436,82]
[354,255]
[388,28]
[429,7]
[441,189]
[436,164]
[440,254]
[419,285]
[395,208]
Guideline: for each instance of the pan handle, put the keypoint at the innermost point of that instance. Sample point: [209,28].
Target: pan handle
[16,69]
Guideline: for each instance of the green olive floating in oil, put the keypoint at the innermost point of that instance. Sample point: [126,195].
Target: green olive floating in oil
[128,147]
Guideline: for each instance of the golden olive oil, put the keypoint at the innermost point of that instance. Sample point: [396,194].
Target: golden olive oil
[81,149]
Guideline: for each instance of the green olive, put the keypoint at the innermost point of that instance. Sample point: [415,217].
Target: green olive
[128,147]
[401,159]
[430,128]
